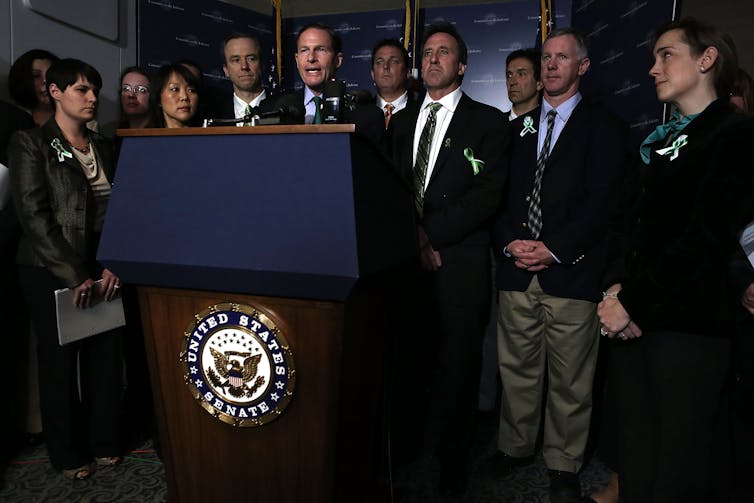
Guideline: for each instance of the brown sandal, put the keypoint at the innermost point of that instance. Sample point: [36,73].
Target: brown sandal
[83,472]
[108,461]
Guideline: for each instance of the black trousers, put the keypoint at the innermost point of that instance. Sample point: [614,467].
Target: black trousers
[436,357]
[666,388]
[82,425]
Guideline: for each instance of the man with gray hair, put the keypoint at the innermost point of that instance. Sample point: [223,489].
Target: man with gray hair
[566,165]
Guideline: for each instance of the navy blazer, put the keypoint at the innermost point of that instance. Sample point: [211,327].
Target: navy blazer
[579,187]
[458,205]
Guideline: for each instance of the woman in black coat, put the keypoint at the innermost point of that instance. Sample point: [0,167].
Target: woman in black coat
[670,297]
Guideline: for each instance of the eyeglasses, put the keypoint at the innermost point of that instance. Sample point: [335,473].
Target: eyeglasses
[127,89]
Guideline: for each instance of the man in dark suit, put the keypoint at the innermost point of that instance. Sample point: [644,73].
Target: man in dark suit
[243,65]
[523,80]
[567,160]
[319,54]
[450,152]
[390,73]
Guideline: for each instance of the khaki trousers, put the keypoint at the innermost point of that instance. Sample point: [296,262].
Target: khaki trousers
[539,333]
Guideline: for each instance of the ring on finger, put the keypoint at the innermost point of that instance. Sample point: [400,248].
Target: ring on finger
[603,332]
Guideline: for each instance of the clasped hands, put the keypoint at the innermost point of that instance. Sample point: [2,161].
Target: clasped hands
[530,255]
[614,319]
[108,288]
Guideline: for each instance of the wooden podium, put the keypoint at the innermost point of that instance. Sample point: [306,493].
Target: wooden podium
[305,224]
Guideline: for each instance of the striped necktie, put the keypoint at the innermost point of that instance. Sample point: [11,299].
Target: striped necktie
[388,113]
[535,208]
[246,113]
[422,156]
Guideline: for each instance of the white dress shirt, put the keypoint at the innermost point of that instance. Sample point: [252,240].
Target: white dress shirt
[398,104]
[239,105]
[449,103]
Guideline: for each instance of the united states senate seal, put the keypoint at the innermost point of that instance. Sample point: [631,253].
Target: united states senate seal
[238,364]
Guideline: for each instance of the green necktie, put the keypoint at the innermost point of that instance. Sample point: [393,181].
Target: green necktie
[317,110]
[422,156]
[246,112]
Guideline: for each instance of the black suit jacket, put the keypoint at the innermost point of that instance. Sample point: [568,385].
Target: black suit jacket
[368,119]
[579,188]
[458,205]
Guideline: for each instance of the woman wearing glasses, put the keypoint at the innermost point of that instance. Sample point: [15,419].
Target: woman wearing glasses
[134,98]
[134,93]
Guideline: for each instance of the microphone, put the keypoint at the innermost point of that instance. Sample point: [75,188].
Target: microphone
[257,117]
[334,102]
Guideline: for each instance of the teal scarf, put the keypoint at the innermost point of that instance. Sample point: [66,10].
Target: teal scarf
[672,127]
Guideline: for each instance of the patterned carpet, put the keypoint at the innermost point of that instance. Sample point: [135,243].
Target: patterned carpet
[29,478]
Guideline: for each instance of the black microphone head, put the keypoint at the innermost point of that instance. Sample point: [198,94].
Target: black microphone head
[362,96]
[295,113]
[334,89]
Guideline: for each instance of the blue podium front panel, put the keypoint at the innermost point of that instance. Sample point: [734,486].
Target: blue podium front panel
[260,214]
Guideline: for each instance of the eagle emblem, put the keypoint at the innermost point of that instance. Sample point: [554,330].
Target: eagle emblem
[235,370]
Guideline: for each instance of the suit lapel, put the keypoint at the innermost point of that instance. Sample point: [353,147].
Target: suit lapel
[529,140]
[64,149]
[574,127]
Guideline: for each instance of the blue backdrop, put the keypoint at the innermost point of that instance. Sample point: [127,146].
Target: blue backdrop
[491,32]
[618,32]
[171,30]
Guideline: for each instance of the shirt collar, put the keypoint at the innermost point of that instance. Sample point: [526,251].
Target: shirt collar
[449,101]
[241,104]
[564,110]
[397,103]
[309,95]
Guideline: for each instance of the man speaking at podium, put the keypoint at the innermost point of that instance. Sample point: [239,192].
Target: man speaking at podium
[318,56]
[450,151]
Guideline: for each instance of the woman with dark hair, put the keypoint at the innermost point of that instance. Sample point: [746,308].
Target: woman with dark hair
[742,95]
[135,89]
[61,176]
[175,98]
[671,298]
[26,83]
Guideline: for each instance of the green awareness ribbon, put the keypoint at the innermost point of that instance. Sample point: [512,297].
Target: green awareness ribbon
[675,147]
[528,126]
[476,164]
[60,149]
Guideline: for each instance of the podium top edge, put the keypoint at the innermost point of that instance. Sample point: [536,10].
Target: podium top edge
[226,130]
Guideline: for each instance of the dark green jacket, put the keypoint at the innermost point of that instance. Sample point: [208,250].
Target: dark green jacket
[55,203]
